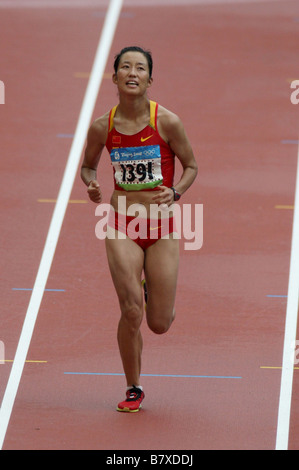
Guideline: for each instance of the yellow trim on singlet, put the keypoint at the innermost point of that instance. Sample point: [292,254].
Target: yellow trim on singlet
[152,123]
[153,107]
[111,123]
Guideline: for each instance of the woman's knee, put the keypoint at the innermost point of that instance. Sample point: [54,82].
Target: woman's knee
[131,313]
[159,325]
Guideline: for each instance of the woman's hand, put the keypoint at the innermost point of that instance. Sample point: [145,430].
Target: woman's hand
[164,196]
[94,192]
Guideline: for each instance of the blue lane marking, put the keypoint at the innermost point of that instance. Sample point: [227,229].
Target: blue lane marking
[278,296]
[46,290]
[290,142]
[157,375]
[65,136]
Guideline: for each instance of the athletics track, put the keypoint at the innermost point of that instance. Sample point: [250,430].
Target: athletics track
[214,381]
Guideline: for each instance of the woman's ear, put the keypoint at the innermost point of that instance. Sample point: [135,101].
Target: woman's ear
[150,82]
[114,78]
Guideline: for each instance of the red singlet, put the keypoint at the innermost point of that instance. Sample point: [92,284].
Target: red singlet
[141,161]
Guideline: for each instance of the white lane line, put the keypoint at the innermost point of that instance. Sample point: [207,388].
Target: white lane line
[129,3]
[91,94]
[284,411]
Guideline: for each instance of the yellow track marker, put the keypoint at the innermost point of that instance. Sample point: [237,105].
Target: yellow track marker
[267,367]
[284,207]
[33,362]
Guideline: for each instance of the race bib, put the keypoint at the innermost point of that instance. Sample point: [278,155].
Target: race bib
[137,167]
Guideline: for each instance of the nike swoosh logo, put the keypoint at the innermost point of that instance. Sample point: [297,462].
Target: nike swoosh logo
[155,228]
[144,139]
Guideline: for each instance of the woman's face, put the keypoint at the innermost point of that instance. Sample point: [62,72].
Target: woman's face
[133,74]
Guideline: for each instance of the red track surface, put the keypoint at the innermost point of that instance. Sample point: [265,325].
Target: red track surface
[224,69]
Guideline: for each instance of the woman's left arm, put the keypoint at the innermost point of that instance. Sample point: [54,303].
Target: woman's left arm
[178,141]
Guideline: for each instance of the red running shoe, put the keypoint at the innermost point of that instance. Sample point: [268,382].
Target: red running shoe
[133,402]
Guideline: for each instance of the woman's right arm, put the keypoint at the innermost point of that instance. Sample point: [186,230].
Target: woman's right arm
[96,140]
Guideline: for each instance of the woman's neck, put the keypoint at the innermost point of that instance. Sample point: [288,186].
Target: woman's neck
[133,108]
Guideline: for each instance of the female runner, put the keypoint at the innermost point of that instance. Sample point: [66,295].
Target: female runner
[143,140]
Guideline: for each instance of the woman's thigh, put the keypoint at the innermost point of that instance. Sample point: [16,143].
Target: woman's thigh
[126,260]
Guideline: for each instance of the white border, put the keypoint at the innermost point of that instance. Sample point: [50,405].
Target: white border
[95,80]
[284,411]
